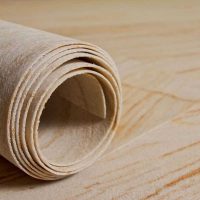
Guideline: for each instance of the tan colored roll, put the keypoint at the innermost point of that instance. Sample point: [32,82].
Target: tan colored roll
[60,101]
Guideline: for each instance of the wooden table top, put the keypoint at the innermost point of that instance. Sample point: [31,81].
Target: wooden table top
[156,46]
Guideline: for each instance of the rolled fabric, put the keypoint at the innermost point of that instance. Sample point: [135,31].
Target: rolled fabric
[60,101]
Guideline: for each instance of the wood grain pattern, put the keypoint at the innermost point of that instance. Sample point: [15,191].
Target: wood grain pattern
[156,47]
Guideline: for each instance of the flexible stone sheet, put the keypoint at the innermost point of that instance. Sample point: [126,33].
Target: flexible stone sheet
[60,101]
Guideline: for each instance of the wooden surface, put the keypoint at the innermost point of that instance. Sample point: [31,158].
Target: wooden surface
[156,47]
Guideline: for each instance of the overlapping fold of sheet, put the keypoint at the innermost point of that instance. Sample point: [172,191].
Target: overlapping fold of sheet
[60,101]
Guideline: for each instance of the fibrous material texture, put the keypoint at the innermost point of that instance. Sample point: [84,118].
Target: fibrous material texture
[60,101]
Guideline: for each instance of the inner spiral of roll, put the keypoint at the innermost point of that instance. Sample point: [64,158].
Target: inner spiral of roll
[74,121]
[64,114]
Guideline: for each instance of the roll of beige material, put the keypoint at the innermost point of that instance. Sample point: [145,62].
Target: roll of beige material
[60,101]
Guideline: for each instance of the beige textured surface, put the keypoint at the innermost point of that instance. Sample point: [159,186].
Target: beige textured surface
[156,47]
[60,101]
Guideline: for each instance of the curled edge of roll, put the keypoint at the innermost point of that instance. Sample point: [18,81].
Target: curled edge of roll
[60,101]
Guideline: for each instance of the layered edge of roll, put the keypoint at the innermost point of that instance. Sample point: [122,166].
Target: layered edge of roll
[78,63]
